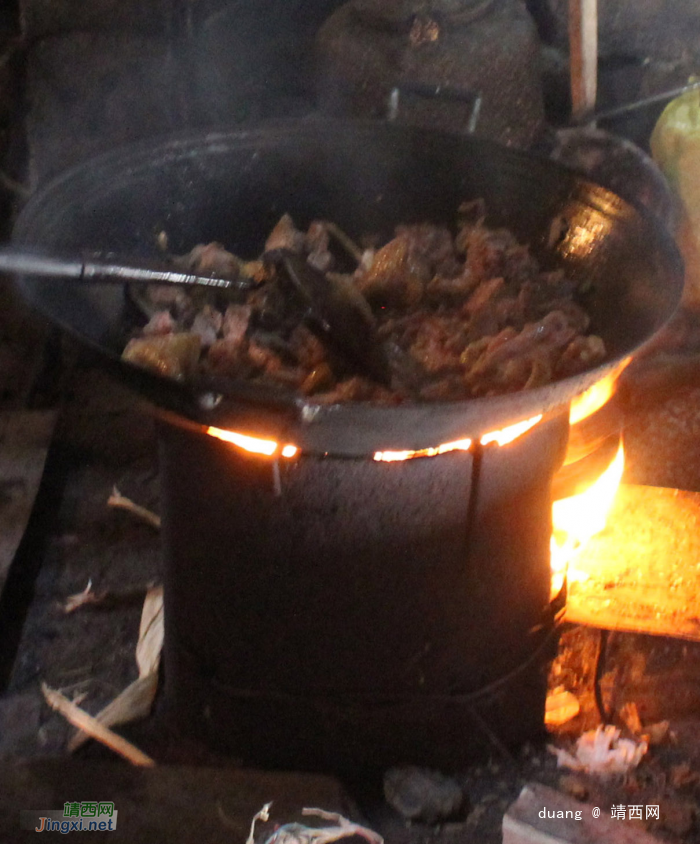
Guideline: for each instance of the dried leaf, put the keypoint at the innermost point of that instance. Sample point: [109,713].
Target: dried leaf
[87,596]
[264,816]
[85,722]
[134,703]
[121,502]
[150,642]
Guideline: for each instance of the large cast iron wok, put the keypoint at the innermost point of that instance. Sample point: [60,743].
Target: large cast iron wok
[367,177]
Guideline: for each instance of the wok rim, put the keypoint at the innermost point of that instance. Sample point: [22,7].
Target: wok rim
[352,429]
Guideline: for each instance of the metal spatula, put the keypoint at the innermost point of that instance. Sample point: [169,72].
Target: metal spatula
[339,317]
[107,267]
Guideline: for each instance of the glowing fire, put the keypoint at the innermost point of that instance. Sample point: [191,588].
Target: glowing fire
[394,456]
[254,445]
[512,432]
[596,396]
[502,437]
[576,519]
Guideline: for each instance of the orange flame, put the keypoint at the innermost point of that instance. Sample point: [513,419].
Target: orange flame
[596,396]
[512,432]
[502,437]
[254,445]
[394,456]
[577,518]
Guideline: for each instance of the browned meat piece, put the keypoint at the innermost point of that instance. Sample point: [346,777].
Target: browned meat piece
[485,293]
[473,315]
[227,357]
[263,358]
[439,343]
[486,251]
[450,290]
[320,378]
[257,271]
[540,373]
[433,245]
[396,278]
[317,245]
[285,236]
[547,292]
[404,329]
[307,348]
[170,355]
[317,237]
[290,376]
[160,323]
[552,333]
[212,258]
[270,365]
[207,325]
[507,362]
[581,354]
[485,312]
[236,321]
[519,265]
[448,388]
[509,312]
[577,317]
[355,389]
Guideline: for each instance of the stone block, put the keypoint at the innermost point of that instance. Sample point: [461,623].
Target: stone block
[565,821]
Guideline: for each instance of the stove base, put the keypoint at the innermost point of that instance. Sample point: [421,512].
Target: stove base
[325,613]
[344,734]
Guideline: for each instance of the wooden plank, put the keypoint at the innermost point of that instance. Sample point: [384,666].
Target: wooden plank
[642,573]
[583,50]
[24,441]
[574,822]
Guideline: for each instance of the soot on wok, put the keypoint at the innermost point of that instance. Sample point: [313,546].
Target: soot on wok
[466,313]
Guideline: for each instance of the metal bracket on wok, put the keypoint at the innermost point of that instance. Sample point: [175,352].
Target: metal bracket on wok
[445,93]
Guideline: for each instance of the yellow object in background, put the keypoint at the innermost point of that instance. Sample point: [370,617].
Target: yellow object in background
[675,146]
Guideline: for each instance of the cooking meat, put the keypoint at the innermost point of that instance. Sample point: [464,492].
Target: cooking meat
[285,236]
[465,315]
[170,355]
[396,277]
[161,322]
[207,325]
[212,258]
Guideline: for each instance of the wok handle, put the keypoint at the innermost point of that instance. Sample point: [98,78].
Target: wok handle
[22,262]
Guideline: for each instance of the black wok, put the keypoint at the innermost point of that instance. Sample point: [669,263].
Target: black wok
[367,177]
